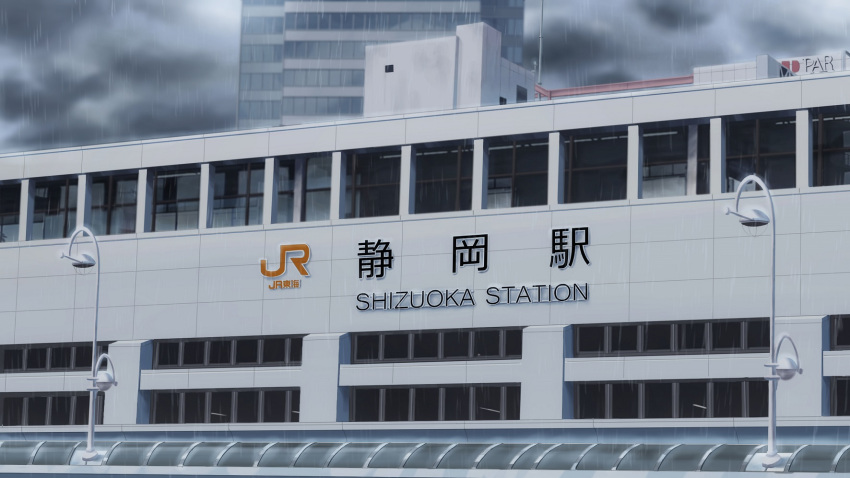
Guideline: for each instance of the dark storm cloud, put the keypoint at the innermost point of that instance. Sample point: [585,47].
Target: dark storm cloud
[36,21]
[676,14]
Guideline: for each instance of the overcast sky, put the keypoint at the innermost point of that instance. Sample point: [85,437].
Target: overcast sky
[76,72]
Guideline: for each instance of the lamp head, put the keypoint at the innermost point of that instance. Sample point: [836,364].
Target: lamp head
[104,381]
[751,216]
[83,261]
[787,368]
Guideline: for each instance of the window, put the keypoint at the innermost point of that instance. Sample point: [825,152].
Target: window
[664,338]
[435,403]
[259,110]
[314,188]
[663,399]
[49,409]
[10,210]
[262,25]
[372,184]
[322,106]
[595,168]
[765,147]
[443,178]
[31,358]
[176,199]
[238,195]
[831,146]
[261,54]
[247,351]
[55,208]
[261,82]
[225,406]
[432,346]
[521,94]
[665,156]
[323,77]
[113,204]
[839,335]
[517,173]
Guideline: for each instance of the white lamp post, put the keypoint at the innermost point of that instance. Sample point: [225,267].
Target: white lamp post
[100,381]
[786,367]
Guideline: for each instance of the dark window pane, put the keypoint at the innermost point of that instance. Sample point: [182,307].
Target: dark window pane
[488,403]
[246,351]
[512,402]
[486,343]
[83,357]
[193,353]
[37,359]
[396,404]
[36,411]
[607,184]
[82,405]
[591,339]
[274,350]
[366,347]
[692,400]
[624,400]
[220,352]
[60,410]
[456,344]
[624,338]
[758,334]
[194,408]
[221,407]
[529,190]
[295,345]
[60,357]
[13,359]
[604,149]
[13,411]
[590,400]
[692,336]
[725,335]
[274,406]
[167,353]
[366,404]
[427,404]
[395,346]
[295,405]
[456,403]
[656,338]
[727,400]
[757,398]
[425,345]
[247,407]
[513,343]
[658,400]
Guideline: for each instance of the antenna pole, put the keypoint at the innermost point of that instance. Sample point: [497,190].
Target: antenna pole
[540,47]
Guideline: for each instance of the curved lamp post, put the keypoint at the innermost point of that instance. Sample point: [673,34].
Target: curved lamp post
[104,380]
[784,368]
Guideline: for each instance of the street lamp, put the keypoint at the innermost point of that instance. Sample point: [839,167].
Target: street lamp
[100,380]
[784,368]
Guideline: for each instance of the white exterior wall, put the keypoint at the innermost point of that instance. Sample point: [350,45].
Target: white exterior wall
[668,259]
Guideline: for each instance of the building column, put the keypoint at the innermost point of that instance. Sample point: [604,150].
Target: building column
[634,179]
[338,173]
[544,395]
[27,207]
[144,201]
[407,182]
[807,394]
[804,138]
[480,164]
[692,167]
[556,169]
[717,152]
[322,399]
[124,404]
[270,192]
[83,200]
[205,205]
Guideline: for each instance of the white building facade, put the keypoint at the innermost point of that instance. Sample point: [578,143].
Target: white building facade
[549,272]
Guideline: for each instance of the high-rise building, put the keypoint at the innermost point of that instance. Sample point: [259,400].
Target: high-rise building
[302,60]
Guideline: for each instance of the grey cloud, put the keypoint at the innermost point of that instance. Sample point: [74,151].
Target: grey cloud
[677,14]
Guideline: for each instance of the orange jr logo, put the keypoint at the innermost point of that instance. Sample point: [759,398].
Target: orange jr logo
[298,261]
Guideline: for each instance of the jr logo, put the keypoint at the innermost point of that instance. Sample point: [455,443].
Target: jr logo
[298,261]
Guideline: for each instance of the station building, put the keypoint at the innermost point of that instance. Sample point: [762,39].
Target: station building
[512,290]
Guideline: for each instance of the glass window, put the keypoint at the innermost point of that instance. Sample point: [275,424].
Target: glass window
[443,178]
[55,208]
[513,343]
[221,407]
[37,358]
[665,162]
[60,410]
[13,411]
[194,407]
[395,346]
[10,210]
[692,336]
[36,410]
[658,338]
[426,345]
[316,205]
[765,147]
[486,343]
[624,338]
[176,199]
[456,344]
[595,166]
[727,399]
[590,401]
[168,354]
[13,359]
[193,353]
[366,347]
[625,400]
[456,403]
[372,184]
[238,195]
[274,406]
[693,400]
[366,404]
[220,352]
[426,406]
[274,350]
[757,398]
[658,400]
[517,173]
[831,146]
[246,351]
[726,335]
[488,403]
[113,204]
[285,190]
[396,404]
[247,406]
[60,357]
[591,339]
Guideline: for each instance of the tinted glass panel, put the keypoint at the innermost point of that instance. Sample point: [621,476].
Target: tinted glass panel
[167,353]
[426,404]
[725,335]
[513,343]
[193,353]
[625,400]
[692,400]
[396,404]
[591,339]
[488,403]
[274,350]
[757,398]
[395,346]
[455,344]
[425,345]
[624,338]
[486,343]
[220,352]
[246,351]
[274,406]
[366,404]
[37,358]
[60,357]
[221,407]
[691,336]
[657,338]
[456,403]
[727,399]
[658,400]
[366,347]
[247,406]
[194,408]
[591,400]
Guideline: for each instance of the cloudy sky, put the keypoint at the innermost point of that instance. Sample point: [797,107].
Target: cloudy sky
[76,72]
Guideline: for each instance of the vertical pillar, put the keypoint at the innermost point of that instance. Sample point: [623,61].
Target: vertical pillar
[556,169]
[804,138]
[407,186]
[480,164]
[144,201]
[84,200]
[634,180]
[270,192]
[338,173]
[693,151]
[717,166]
[807,394]
[207,194]
[125,404]
[27,206]
[322,399]
[543,392]
[299,183]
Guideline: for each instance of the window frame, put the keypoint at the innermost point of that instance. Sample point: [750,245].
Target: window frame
[289,361]
[109,205]
[65,212]
[12,212]
[441,357]
[290,414]
[471,390]
[462,148]
[353,190]
[249,167]
[78,399]
[514,175]
[102,347]
[568,139]
[760,159]
[154,202]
